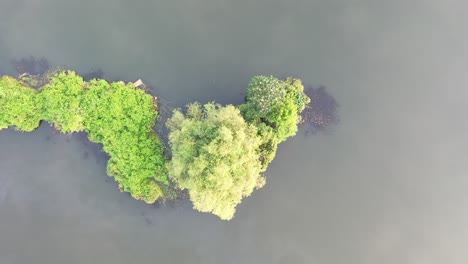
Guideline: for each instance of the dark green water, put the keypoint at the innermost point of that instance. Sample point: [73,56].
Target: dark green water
[388,185]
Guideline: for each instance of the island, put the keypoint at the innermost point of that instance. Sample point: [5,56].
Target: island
[216,154]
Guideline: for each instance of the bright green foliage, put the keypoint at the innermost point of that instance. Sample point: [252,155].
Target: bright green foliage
[19,105]
[214,156]
[61,102]
[218,153]
[121,118]
[276,103]
[117,115]
[274,106]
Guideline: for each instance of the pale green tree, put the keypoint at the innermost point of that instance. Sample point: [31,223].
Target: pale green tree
[214,156]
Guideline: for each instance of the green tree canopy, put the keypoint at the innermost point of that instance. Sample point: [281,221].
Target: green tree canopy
[117,115]
[214,156]
[274,106]
[19,105]
[121,117]
[61,102]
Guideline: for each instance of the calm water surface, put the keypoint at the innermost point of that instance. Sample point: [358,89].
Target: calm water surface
[388,185]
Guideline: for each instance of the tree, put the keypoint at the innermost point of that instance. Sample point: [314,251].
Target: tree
[274,107]
[214,156]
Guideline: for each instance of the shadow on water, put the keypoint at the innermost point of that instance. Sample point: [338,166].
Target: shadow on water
[40,66]
[31,65]
[321,114]
[94,74]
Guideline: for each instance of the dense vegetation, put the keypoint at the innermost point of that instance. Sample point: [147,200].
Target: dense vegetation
[274,107]
[20,105]
[214,156]
[218,152]
[117,115]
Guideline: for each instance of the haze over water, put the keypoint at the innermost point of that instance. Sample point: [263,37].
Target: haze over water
[389,184]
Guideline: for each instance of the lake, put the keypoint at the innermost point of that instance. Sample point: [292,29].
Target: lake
[388,184]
